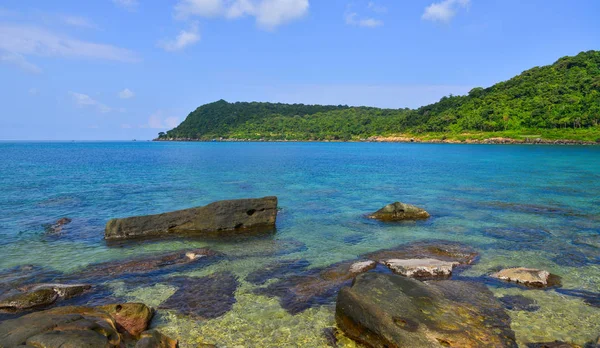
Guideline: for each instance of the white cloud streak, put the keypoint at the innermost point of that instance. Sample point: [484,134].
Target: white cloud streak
[80,22]
[184,39]
[444,11]
[156,121]
[269,14]
[19,61]
[375,7]
[126,94]
[84,100]
[353,19]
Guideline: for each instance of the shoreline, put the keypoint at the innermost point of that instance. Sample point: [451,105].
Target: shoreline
[392,139]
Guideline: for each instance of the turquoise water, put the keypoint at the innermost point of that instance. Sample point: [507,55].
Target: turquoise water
[534,206]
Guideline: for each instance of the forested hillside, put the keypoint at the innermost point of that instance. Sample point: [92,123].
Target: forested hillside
[563,95]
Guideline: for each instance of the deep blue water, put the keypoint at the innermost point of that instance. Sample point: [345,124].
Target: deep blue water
[490,196]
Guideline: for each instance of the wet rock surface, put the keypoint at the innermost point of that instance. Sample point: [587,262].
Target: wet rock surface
[398,212]
[519,303]
[203,297]
[530,277]
[155,339]
[130,318]
[215,218]
[57,227]
[555,344]
[318,286]
[387,310]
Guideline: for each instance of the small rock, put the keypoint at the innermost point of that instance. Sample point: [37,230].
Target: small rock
[399,211]
[526,276]
[57,226]
[519,303]
[362,266]
[131,318]
[421,268]
[155,339]
[192,255]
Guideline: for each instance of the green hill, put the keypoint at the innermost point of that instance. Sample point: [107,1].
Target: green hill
[562,98]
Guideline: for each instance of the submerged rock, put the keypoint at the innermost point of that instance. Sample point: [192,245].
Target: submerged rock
[131,318]
[386,310]
[205,297]
[277,270]
[421,268]
[155,339]
[218,217]
[57,226]
[555,344]
[527,276]
[65,291]
[399,211]
[519,303]
[589,297]
[317,286]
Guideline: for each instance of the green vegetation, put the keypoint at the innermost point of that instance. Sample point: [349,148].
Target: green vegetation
[558,101]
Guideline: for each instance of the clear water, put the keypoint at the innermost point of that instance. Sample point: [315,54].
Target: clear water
[324,190]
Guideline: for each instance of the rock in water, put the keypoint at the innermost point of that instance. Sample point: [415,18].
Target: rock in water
[217,217]
[421,268]
[398,212]
[131,318]
[387,310]
[57,226]
[17,300]
[527,276]
[155,339]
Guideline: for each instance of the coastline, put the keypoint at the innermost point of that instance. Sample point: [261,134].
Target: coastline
[402,139]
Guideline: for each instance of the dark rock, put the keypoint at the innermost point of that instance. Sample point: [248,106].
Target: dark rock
[266,247]
[354,239]
[330,335]
[57,226]
[524,235]
[63,325]
[18,300]
[23,275]
[215,218]
[386,310]
[155,339]
[555,344]
[277,270]
[589,297]
[130,318]
[320,286]
[399,211]
[148,266]
[204,298]
[519,303]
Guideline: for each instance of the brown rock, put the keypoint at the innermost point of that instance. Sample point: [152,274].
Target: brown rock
[527,276]
[155,339]
[399,211]
[131,318]
[16,300]
[218,217]
[421,268]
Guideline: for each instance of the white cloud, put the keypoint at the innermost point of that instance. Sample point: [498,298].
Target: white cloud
[84,100]
[269,14]
[352,19]
[182,40]
[126,94]
[80,22]
[130,5]
[33,91]
[19,41]
[444,11]
[19,61]
[375,7]
[156,121]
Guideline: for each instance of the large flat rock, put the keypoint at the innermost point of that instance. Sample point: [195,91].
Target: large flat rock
[387,310]
[218,217]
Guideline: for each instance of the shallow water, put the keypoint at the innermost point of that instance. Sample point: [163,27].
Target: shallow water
[535,206]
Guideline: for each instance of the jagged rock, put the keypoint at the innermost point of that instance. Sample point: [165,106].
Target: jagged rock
[399,211]
[387,310]
[527,276]
[155,339]
[218,217]
[205,297]
[421,268]
[18,300]
[131,318]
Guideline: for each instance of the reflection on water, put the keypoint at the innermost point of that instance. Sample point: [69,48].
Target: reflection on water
[534,206]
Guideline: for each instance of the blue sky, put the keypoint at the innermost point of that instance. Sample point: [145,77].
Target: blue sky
[125,69]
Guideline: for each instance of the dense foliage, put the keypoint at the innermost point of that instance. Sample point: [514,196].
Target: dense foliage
[563,95]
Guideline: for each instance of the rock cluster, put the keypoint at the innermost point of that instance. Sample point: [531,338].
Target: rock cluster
[398,212]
